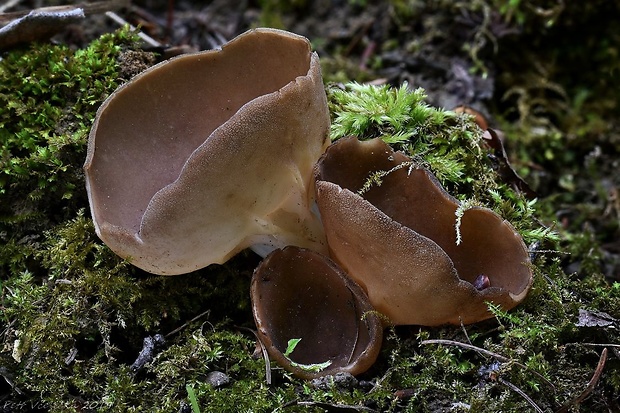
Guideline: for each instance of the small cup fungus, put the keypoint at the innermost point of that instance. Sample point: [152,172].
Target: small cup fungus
[300,294]
[207,154]
[400,242]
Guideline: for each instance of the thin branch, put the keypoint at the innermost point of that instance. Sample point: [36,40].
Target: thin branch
[9,4]
[521,393]
[590,386]
[496,356]
[600,345]
[176,330]
[469,347]
[264,351]
[465,331]
[118,19]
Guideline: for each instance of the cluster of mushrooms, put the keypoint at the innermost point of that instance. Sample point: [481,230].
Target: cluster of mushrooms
[207,154]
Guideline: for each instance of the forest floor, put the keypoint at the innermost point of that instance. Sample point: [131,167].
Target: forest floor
[75,317]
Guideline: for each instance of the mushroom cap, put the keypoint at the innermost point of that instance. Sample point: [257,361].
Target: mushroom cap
[399,240]
[300,294]
[206,154]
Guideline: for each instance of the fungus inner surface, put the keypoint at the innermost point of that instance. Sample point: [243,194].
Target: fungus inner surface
[414,198]
[300,294]
[178,108]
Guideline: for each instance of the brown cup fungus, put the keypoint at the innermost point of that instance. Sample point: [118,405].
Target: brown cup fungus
[207,154]
[300,294]
[400,241]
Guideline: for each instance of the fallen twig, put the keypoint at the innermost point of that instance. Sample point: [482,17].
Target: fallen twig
[7,5]
[590,386]
[88,8]
[264,351]
[35,25]
[496,356]
[147,39]
[521,393]
[176,330]
[600,345]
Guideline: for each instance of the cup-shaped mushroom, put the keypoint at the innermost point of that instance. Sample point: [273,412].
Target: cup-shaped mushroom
[300,294]
[400,240]
[206,154]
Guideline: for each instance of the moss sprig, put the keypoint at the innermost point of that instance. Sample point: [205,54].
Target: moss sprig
[48,98]
[441,140]
[447,143]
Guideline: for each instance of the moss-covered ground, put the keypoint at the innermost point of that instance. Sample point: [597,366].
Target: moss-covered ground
[74,317]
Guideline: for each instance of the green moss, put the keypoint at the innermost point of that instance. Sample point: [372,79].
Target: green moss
[272,12]
[537,332]
[438,139]
[86,314]
[447,143]
[48,98]
[74,315]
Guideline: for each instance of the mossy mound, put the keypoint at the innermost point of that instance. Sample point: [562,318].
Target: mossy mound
[75,316]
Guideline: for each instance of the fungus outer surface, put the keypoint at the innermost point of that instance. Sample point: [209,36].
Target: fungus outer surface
[399,240]
[207,154]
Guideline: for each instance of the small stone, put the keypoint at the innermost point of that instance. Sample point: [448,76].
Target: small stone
[150,347]
[185,408]
[217,379]
[481,282]
[340,381]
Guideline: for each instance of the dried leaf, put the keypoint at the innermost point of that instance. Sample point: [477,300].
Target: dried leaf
[42,23]
[589,318]
[505,170]
[38,25]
